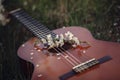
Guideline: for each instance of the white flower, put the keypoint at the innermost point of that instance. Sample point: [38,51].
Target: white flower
[3,20]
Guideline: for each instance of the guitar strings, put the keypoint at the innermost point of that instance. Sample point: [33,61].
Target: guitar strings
[67,52]
[72,58]
[43,36]
[72,55]
[48,32]
[55,50]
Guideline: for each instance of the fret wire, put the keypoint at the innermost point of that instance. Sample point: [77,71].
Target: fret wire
[30,28]
[37,29]
[37,23]
[34,21]
[42,30]
[47,31]
[28,23]
[24,21]
[21,17]
[34,30]
[38,35]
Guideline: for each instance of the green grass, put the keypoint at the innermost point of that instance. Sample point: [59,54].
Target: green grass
[96,15]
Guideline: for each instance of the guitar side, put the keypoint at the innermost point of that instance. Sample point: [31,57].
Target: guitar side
[50,68]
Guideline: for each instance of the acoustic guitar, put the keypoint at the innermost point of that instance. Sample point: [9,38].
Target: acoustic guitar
[69,53]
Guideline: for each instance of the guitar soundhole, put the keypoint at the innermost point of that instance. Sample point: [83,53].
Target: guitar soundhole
[65,47]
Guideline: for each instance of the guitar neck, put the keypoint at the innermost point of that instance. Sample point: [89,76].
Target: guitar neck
[33,25]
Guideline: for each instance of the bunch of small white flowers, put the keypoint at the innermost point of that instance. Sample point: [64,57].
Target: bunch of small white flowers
[3,19]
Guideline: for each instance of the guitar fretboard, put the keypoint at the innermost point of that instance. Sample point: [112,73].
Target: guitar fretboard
[33,25]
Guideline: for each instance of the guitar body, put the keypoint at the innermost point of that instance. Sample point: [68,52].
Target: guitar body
[49,67]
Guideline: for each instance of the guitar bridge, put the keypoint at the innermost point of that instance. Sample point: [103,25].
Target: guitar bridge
[83,66]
